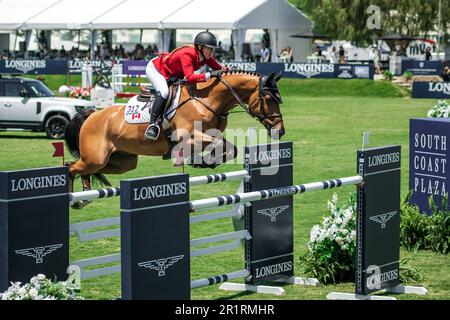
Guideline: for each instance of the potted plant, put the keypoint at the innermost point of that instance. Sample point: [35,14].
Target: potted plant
[407,76]
[388,75]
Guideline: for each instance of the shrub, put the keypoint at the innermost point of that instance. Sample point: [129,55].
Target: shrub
[388,75]
[332,246]
[439,110]
[422,232]
[407,75]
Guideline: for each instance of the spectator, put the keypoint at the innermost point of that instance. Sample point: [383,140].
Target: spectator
[318,54]
[375,56]
[428,54]
[333,56]
[265,53]
[341,55]
[284,55]
[446,74]
[62,53]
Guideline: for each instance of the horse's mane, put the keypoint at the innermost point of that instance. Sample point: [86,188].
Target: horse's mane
[241,72]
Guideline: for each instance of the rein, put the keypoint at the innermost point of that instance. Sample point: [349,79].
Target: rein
[262,118]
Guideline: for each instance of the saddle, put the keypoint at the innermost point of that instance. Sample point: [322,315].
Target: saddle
[147,93]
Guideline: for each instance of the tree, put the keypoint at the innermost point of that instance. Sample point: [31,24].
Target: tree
[346,19]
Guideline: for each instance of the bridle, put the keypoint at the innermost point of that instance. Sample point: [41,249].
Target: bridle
[263,116]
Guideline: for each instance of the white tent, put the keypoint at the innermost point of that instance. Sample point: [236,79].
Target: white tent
[138,14]
[68,14]
[13,13]
[280,17]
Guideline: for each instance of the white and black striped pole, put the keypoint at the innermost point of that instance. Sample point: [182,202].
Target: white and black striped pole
[273,193]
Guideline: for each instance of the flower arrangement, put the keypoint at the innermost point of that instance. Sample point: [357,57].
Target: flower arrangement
[76,92]
[440,110]
[332,245]
[41,288]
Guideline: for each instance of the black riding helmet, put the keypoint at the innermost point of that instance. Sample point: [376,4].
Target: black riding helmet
[206,39]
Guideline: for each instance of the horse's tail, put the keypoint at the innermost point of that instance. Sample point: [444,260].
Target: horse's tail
[72,138]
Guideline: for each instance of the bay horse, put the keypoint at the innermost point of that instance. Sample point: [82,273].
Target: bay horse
[104,143]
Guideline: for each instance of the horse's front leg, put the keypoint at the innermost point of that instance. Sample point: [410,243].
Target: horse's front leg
[226,152]
[196,144]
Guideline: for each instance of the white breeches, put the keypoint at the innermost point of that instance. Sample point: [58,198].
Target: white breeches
[157,79]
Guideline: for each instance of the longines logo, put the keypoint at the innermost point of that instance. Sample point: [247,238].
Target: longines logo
[266,156]
[38,183]
[78,64]
[246,66]
[383,218]
[273,269]
[39,253]
[383,159]
[273,212]
[25,65]
[308,69]
[161,265]
[159,191]
[443,87]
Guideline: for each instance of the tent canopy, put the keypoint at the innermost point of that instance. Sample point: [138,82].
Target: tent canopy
[150,14]
[238,14]
[14,13]
[137,14]
[67,14]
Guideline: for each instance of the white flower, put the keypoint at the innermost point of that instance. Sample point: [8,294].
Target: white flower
[338,220]
[33,293]
[40,276]
[315,233]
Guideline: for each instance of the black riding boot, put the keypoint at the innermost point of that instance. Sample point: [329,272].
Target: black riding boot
[152,132]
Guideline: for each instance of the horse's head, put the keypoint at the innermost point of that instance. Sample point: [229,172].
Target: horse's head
[267,108]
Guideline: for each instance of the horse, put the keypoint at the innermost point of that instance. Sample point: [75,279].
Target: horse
[104,143]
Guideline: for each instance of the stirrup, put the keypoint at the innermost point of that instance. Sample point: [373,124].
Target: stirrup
[149,132]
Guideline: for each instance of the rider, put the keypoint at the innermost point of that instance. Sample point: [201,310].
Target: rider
[181,62]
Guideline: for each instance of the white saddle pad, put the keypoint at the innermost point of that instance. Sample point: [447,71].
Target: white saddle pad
[138,112]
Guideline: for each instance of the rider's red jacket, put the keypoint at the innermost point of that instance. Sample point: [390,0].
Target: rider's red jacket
[182,63]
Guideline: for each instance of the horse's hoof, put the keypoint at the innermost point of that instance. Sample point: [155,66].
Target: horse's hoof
[80,204]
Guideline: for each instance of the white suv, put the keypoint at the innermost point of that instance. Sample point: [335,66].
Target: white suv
[29,104]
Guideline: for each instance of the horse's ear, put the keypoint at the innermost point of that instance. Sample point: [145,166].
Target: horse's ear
[278,76]
[269,79]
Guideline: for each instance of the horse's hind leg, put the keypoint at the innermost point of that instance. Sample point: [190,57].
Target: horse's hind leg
[86,167]
[86,182]
[120,162]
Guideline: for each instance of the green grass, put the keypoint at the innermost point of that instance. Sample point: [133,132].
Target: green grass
[326,131]
[341,88]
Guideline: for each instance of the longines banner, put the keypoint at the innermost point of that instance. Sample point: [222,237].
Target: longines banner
[431,90]
[309,70]
[289,70]
[33,66]
[75,66]
[424,68]
[428,161]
